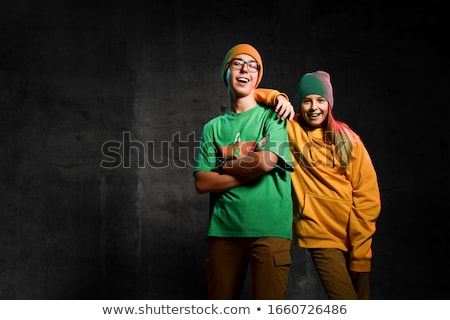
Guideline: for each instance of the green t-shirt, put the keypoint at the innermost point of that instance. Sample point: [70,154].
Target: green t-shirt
[262,207]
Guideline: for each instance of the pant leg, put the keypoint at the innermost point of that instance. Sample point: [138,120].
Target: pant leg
[270,259]
[331,265]
[361,283]
[226,267]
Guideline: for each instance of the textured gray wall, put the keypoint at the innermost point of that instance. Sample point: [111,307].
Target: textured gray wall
[139,78]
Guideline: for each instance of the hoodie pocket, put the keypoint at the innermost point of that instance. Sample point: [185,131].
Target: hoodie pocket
[325,217]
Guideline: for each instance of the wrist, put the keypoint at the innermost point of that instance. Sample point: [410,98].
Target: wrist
[220,162]
[281,96]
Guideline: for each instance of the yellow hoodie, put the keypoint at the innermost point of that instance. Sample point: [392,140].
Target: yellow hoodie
[333,207]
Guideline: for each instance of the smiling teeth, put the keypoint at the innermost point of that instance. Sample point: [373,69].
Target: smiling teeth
[243,80]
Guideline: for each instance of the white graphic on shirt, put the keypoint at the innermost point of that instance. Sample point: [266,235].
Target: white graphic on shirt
[237,138]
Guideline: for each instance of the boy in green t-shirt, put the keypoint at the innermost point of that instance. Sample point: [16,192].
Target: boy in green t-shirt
[245,165]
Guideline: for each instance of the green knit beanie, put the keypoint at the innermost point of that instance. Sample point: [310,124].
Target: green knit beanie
[315,83]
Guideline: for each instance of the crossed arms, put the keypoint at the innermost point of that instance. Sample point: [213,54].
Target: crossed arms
[236,172]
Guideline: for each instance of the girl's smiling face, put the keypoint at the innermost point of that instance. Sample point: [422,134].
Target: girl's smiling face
[314,109]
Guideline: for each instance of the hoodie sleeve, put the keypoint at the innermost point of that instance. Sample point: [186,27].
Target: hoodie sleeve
[365,209]
[268,96]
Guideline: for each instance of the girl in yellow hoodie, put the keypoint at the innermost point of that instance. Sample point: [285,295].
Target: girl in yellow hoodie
[336,194]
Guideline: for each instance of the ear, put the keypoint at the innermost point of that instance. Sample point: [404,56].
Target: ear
[227,77]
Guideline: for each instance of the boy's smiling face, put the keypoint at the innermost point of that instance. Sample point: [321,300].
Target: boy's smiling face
[240,78]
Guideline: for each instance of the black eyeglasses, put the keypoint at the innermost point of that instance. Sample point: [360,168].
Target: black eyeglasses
[238,64]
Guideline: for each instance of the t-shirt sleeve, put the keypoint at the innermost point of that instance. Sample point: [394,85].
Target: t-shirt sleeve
[206,155]
[278,142]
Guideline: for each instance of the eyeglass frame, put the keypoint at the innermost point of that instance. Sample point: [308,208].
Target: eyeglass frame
[242,63]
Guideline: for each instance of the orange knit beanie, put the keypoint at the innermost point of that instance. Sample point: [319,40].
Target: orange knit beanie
[242,48]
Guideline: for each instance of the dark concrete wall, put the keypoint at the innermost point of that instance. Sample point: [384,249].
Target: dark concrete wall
[82,83]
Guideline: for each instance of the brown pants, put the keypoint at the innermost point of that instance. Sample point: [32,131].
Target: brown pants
[227,263]
[339,282]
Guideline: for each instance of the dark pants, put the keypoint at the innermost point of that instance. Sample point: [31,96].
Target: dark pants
[339,282]
[227,263]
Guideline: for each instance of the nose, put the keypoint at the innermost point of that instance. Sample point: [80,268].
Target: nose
[313,105]
[244,67]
